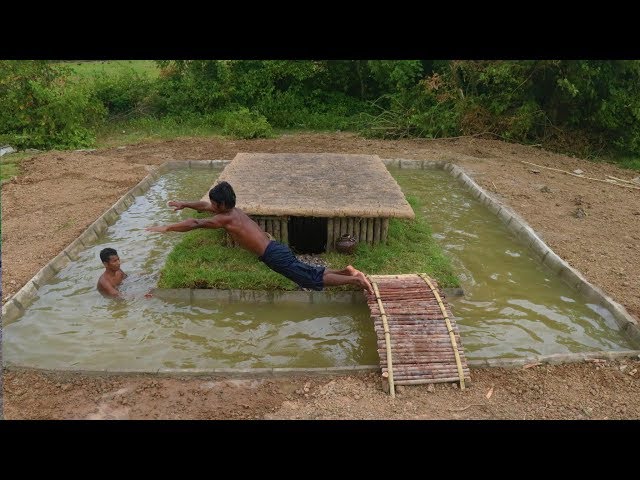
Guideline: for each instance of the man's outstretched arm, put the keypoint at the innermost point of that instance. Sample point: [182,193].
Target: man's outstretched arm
[187,225]
[200,206]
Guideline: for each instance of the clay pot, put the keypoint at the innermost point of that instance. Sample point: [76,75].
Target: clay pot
[346,244]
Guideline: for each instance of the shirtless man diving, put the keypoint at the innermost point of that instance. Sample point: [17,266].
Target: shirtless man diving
[250,236]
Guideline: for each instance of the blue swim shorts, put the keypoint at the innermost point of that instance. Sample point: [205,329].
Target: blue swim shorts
[279,258]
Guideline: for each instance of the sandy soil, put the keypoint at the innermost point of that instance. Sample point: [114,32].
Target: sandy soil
[595,226]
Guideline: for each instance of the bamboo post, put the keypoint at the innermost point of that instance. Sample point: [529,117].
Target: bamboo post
[284,230]
[449,329]
[370,231]
[376,231]
[387,339]
[363,230]
[384,231]
[261,223]
[336,229]
[329,234]
[276,229]
[350,226]
[343,226]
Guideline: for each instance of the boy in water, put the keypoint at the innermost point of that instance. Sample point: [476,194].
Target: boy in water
[113,275]
[248,234]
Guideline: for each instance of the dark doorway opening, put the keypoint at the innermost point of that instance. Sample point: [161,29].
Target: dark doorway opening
[308,234]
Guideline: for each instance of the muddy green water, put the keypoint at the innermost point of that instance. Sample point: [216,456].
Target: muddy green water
[70,325]
[513,306]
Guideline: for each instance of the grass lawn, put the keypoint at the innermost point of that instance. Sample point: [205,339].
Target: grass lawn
[91,68]
[10,164]
[148,129]
[201,260]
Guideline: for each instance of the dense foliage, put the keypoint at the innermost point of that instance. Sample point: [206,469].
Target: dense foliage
[580,106]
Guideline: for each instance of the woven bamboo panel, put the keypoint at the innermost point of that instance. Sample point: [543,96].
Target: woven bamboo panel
[421,346]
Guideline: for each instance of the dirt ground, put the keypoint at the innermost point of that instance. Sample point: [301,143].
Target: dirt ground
[595,226]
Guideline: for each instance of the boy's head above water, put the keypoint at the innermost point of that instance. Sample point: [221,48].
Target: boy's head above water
[110,259]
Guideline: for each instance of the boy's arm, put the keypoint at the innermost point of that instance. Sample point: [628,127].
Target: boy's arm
[200,206]
[188,225]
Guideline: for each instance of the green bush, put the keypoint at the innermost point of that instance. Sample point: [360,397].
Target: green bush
[128,93]
[244,123]
[40,108]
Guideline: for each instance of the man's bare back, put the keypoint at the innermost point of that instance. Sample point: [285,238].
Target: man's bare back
[246,232]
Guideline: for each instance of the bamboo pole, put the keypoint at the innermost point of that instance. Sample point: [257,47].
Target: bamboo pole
[387,337]
[350,226]
[336,230]
[425,381]
[582,176]
[284,230]
[363,230]
[451,332]
[370,231]
[261,223]
[276,229]
[376,231]
[330,240]
[384,230]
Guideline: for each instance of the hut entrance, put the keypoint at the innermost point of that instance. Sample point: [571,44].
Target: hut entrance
[308,234]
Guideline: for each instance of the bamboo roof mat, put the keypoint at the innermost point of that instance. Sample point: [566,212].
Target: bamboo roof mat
[314,185]
[418,338]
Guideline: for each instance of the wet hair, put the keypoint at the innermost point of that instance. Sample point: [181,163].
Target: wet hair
[106,253]
[223,193]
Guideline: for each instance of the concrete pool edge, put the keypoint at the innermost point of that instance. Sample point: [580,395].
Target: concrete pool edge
[270,296]
[554,359]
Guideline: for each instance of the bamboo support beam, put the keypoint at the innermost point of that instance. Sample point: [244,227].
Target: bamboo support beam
[384,230]
[451,332]
[376,231]
[330,237]
[284,230]
[336,230]
[276,229]
[363,230]
[387,337]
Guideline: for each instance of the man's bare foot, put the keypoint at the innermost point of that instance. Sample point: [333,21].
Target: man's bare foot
[364,281]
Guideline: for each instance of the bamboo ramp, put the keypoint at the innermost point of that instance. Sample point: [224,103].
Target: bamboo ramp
[418,339]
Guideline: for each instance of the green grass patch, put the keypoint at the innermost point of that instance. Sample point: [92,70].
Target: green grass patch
[630,162]
[150,128]
[93,68]
[201,260]
[10,164]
